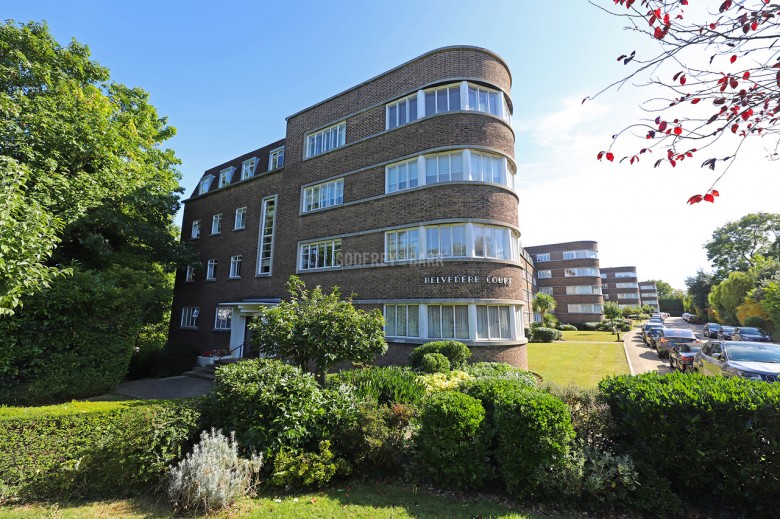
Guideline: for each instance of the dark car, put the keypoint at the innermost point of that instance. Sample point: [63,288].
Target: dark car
[726,333]
[647,328]
[752,360]
[681,356]
[744,333]
[711,330]
[668,338]
[652,335]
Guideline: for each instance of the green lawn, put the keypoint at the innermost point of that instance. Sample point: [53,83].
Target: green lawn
[355,501]
[583,359]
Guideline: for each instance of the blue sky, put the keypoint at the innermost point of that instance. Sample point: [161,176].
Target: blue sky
[226,74]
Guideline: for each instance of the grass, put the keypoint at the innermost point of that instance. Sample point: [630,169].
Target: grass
[354,501]
[578,336]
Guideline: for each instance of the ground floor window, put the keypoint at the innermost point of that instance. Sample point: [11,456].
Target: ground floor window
[223,317]
[189,317]
[448,321]
[402,320]
[493,322]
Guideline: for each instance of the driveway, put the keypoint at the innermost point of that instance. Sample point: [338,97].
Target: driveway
[642,358]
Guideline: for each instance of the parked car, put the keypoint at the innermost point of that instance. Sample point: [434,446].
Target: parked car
[744,333]
[752,360]
[668,338]
[657,316]
[725,333]
[687,317]
[711,330]
[652,335]
[681,356]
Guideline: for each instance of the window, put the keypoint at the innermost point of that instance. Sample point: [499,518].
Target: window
[544,274]
[321,255]
[325,140]
[625,285]
[444,167]
[402,175]
[195,229]
[579,254]
[625,274]
[402,112]
[402,245]
[248,168]
[189,316]
[484,100]
[223,317]
[205,184]
[603,275]
[586,309]
[493,322]
[487,168]
[546,290]
[446,241]
[445,99]
[216,224]
[491,242]
[580,271]
[448,321]
[323,195]
[402,320]
[583,290]
[235,266]
[240,222]
[276,159]
[542,257]
[628,296]
[225,176]
[211,270]
[266,244]
[189,275]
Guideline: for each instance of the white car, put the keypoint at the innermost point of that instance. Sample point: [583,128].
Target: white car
[687,317]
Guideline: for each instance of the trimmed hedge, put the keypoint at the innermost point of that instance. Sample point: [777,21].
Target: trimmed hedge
[456,352]
[715,439]
[92,449]
[434,363]
[480,370]
[385,385]
[541,334]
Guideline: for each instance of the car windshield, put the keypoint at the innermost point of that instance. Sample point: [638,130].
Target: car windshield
[689,348]
[751,330]
[729,329]
[754,352]
[713,326]
[676,333]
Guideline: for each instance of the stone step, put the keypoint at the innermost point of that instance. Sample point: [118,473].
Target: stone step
[202,373]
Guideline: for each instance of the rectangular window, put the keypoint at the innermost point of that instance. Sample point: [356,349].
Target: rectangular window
[211,270]
[585,290]
[402,175]
[484,100]
[445,241]
[235,266]
[216,224]
[493,322]
[546,290]
[195,229]
[225,176]
[491,242]
[580,271]
[402,245]
[448,321]
[205,184]
[320,255]
[444,167]
[189,276]
[542,257]
[223,317]
[248,169]
[625,274]
[325,140]
[445,99]
[402,320]
[327,194]
[626,285]
[189,317]
[544,274]
[488,168]
[276,159]
[586,309]
[628,296]
[603,275]
[578,254]
[402,112]
[266,246]
[240,221]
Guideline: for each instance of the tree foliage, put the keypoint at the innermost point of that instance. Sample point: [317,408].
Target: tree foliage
[715,78]
[735,245]
[699,287]
[543,303]
[729,294]
[318,328]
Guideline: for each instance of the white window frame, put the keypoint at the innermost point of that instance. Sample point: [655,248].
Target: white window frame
[322,192]
[490,235]
[189,317]
[211,270]
[196,227]
[435,91]
[626,285]
[265,242]
[392,319]
[488,92]
[504,322]
[393,175]
[332,137]
[544,274]
[225,177]
[276,158]
[314,247]
[189,274]
[451,229]
[248,168]
[625,274]
[542,257]
[580,254]
[402,245]
[576,272]
[583,290]
[579,308]
[240,221]
[628,295]
[223,321]
[439,175]
[457,332]
[205,184]
[235,267]
[407,111]
[216,224]
[546,290]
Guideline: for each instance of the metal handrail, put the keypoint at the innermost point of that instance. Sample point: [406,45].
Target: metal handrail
[230,353]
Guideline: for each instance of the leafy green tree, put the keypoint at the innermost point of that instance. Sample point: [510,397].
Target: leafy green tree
[771,302]
[699,287]
[543,303]
[729,294]
[612,311]
[318,329]
[734,246]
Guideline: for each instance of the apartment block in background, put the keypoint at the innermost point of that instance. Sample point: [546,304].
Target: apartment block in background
[621,285]
[648,294]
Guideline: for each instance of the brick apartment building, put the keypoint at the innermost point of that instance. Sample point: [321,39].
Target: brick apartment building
[648,294]
[570,273]
[399,190]
[621,285]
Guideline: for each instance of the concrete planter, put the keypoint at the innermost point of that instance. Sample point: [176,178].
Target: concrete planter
[206,361]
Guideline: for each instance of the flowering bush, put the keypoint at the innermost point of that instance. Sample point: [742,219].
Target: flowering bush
[214,353]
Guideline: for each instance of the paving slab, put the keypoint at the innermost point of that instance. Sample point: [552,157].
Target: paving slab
[164,388]
[642,358]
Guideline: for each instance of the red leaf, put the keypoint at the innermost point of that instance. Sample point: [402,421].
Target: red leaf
[754,25]
[695,199]
[673,162]
[734,128]
[662,126]
[733,82]
[682,80]
[733,58]
[695,100]
[725,5]
[678,130]
[746,75]
[659,33]
[610,156]
[601,154]
[709,198]
[715,192]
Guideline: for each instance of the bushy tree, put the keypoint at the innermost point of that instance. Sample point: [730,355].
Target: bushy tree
[735,246]
[317,328]
[699,290]
[729,294]
[612,311]
[543,303]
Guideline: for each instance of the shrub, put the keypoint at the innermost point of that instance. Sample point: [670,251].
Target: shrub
[297,468]
[756,322]
[92,449]
[724,433]
[435,382]
[541,334]
[568,328]
[212,476]
[490,390]
[434,363]
[385,385]
[456,352]
[588,327]
[501,370]
[533,434]
[451,443]
[589,413]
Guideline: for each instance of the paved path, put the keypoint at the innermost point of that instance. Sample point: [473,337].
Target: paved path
[164,388]
[642,358]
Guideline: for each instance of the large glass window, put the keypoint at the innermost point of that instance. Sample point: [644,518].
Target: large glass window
[487,168]
[240,221]
[235,267]
[444,167]
[580,271]
[402,320]
[267,224]
[583,290]
[444,99]
[578,254]
[402,245]
[195,229]
[189,317]
[446,241]
[544,274]
[546,290]
[628,296]
[402,175]
[248,169]
[223,317]
[402,112]
[493,322]
[276,159]
[325,140]
[491,242]
[323,195]
[625,274]
[225,177]
[321,255]
[205,184]
[626,285]
[216,224]
[586,309]
[448,321]
[542,257]
[482,99]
